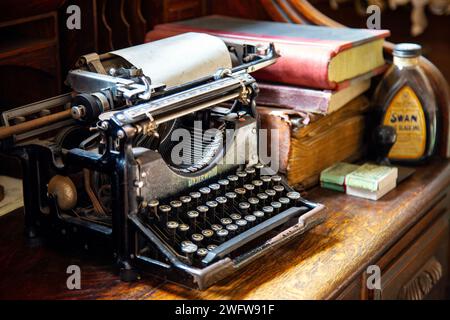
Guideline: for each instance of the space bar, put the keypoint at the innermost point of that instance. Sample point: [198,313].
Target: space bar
[247,236]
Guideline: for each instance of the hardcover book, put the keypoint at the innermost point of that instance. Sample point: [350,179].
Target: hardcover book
[311,56]
[309,100]
[303,139]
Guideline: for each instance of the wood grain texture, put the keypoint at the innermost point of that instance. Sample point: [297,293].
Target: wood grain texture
[319,265]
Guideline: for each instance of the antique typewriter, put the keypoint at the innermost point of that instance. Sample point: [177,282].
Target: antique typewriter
[101,164]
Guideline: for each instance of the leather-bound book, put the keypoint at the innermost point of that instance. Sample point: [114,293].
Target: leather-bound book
[309,100]
[311,56]
[309,144]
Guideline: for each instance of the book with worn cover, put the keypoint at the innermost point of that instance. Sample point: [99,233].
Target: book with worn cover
[304,138]
[311,56]
[334,177]
[309,100]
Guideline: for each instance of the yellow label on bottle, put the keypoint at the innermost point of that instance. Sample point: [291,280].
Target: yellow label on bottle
[405,114]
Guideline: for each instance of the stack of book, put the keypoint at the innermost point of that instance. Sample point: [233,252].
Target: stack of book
[313,94]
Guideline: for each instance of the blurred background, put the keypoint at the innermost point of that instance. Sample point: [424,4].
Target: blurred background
[37,49]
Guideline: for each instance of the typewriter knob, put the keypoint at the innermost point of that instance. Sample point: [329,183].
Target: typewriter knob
[65,192]
[87,107]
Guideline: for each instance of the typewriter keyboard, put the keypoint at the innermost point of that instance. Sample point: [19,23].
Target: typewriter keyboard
[217,218]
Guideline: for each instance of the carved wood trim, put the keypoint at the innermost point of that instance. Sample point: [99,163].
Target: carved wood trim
[423,282]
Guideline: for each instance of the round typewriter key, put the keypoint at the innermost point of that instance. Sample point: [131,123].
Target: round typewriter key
[183,230]
[206,192]
[215,187]
[203,211]
[271,193]
[221,235]
[279,189]
[221,206]
[192,218]
[240,193]
[250,189]
[235,216]
[207,233]
[232,228]
[262,198]
[172,229]
[195,196]
[202,252]
[258,168]
[188,248]
[241,223]
[223,183]
[176,205]
[216,227]
[231,196]
[225,221]
[284,201]
[266,181]
[242,176]
[211,247]
[268,211]
[276,206]
[294,196]
[276,179]
[185,199]
[258,184]
[250,218]
[212,205]
[243,207]
[233,180]
[253,203]
[259,215]
[172,224]
[250,172]
[153,209]
[197,238]
[164,213]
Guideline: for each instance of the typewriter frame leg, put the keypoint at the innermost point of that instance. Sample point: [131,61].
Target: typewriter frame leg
[122,237]
[29,183]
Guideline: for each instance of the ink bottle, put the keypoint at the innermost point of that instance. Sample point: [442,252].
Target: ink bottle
[405,100]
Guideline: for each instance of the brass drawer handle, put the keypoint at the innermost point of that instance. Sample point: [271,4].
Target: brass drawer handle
[422,284]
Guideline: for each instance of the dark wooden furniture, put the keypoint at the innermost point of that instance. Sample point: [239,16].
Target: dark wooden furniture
[29,56]
[405,234]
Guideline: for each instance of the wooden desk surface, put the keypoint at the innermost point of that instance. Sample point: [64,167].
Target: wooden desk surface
[315,266]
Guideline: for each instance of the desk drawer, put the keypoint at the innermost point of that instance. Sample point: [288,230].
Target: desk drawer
[420,270]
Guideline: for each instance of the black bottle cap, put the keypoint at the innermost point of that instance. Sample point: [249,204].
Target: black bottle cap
[407,50]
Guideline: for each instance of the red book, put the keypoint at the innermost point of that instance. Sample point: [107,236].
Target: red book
[311,56]
[309,100]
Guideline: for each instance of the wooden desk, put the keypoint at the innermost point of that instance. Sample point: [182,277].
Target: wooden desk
[405,234]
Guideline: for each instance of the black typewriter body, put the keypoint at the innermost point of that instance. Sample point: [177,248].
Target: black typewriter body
[195,221]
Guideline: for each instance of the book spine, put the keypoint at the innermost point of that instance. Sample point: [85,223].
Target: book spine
[309,68]
[294,98]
